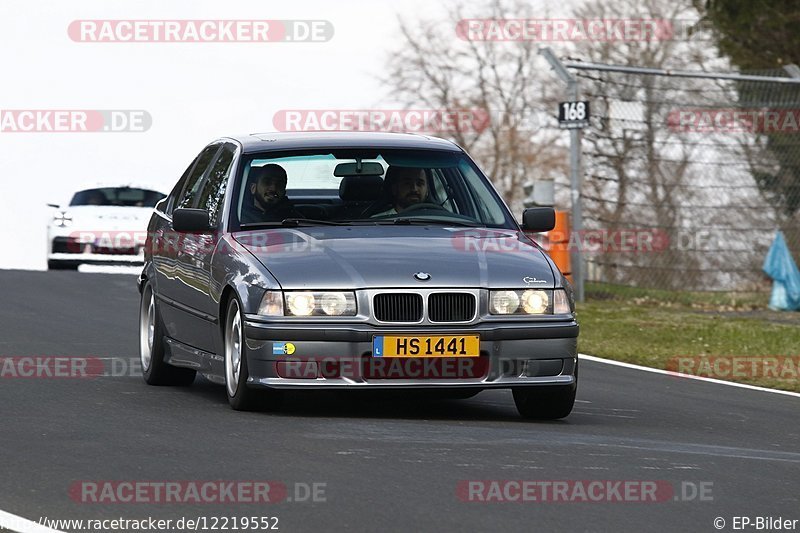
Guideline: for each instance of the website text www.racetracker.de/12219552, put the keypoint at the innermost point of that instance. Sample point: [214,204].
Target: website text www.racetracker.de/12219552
[198,523]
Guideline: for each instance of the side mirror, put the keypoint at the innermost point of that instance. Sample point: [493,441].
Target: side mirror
[538,219]
[190,220]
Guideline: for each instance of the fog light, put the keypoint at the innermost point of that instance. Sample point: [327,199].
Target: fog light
[297,369]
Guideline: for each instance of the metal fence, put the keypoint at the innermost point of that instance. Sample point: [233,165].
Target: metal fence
[686,177]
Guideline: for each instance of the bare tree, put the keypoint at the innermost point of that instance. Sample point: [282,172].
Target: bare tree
[640,171]
[434,68]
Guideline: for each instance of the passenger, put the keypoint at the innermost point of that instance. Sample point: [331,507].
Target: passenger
[407,186]
[269,202]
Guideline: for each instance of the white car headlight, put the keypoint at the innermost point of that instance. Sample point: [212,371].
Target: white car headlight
[316,303]
[62,219]
[503,302]
[535,302]
[333,303]
[529,302]
[300,303]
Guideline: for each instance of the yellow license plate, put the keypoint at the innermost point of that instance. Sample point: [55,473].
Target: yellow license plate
[426,346]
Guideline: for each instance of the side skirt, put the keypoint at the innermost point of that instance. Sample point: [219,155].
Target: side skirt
[211,365]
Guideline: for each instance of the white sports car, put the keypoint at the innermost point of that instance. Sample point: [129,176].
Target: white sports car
[102,225]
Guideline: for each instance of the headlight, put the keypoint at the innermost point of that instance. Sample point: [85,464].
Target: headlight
[333,303]
[62,219]
[503,302]
[316,303]
[535,302]
[300,303]
[529,302]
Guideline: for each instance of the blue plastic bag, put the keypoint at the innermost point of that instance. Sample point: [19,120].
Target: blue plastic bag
[780,266]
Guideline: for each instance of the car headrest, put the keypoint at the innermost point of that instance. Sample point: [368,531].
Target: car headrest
[271,169]
[395,172]
[361,188]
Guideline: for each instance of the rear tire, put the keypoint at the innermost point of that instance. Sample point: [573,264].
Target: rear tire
[240,396]
[151,346]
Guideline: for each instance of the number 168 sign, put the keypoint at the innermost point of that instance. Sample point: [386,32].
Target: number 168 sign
[573,114]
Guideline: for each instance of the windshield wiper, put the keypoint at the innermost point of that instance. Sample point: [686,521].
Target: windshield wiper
[309,222]
[439,221]
[420,221]
[293,222]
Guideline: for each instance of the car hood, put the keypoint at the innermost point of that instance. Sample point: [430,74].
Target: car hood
[358,257]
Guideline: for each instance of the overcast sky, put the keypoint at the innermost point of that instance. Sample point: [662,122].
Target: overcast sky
[194,92]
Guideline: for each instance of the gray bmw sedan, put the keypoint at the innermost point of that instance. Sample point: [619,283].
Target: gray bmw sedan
[352,261]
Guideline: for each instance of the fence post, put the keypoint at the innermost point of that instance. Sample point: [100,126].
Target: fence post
[575,173]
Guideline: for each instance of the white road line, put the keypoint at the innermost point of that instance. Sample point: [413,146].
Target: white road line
[686,376]
[22,525]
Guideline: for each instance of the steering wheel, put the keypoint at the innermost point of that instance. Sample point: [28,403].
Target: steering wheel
[424,205]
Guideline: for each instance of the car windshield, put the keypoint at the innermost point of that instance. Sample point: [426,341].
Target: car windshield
[118,196]
[366,187]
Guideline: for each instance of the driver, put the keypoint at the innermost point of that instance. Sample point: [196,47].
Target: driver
[408,186]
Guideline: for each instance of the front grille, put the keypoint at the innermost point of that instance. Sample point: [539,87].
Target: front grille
[451,307]
[397,307]
[66,245]
[109,250]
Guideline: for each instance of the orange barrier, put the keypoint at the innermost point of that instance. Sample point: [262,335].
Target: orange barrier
[558,244]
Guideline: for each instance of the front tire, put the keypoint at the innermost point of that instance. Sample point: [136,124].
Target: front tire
[549,402]
[151,346]
[240,396]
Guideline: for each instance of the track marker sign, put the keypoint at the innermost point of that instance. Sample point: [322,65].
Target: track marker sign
[573,114]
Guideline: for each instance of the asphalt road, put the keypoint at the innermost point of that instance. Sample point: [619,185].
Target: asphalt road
[388,464]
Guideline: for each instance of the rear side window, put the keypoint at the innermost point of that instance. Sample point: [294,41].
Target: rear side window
[190,195]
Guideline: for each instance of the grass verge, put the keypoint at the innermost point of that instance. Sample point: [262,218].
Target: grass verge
[724,336]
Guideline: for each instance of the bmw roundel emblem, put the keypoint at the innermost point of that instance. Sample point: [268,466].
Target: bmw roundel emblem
[422,276]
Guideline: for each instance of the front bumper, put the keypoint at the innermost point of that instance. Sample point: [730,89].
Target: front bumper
[340,356]
[96,259]
[66,246]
